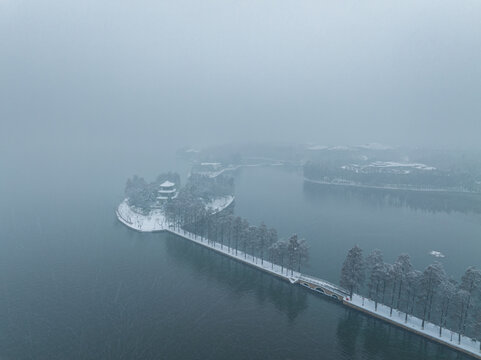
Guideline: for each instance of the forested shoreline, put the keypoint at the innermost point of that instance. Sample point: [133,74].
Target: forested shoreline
[402,177]
[237,234]
[431,295]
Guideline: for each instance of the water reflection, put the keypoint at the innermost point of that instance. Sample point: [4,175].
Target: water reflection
[348,330]
[361,336]
[427,201]
[241,279]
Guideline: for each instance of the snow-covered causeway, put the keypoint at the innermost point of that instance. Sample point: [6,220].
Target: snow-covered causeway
[413,324]
[156,221]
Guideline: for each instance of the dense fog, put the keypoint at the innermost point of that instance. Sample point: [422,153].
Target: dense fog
[179,176]
[98,77]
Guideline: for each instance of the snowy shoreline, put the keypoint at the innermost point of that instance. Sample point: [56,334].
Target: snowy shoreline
[387,187]
[448,338]
[155,221]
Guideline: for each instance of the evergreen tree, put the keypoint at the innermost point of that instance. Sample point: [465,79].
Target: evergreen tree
[373,260]
[448,290]
[470,282]
[431,278]
[352,273]
[263,239]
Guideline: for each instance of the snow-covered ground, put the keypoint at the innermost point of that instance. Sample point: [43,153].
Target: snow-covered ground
[430,330]
[155,220]
[220,203]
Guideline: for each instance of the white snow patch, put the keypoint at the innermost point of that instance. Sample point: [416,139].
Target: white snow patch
[437,254]
[167,183]
[153,221]
[210,164]
[219,204]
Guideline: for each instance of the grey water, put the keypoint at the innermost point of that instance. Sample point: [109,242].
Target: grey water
[76,284]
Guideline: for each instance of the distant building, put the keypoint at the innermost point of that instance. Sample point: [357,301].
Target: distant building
[166,191]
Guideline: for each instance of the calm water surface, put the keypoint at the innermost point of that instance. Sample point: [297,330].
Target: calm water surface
[76,284]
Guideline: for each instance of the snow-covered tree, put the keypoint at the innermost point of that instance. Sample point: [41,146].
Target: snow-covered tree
[253,239]
[393,275]
[377,274]
[470,282]
[292,250]
[279,253]
[236,232]
[477,326]
[272,239]
[448,290]
[372,262]
[263,239]
[402,267]
[302,254]
[386,279]
[460,305]
[352,272]
[413,282]
[431,278]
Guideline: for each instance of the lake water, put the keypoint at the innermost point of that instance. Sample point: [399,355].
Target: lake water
[76,284]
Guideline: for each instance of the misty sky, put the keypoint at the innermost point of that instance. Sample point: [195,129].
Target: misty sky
[101,73]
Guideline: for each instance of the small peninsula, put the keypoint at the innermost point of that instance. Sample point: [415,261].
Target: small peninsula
[146,204]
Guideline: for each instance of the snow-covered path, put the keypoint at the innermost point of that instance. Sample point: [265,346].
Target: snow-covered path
[282,272]
[468,346]
[155,221]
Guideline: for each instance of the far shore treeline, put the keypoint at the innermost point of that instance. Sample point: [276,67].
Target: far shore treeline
[431,294]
